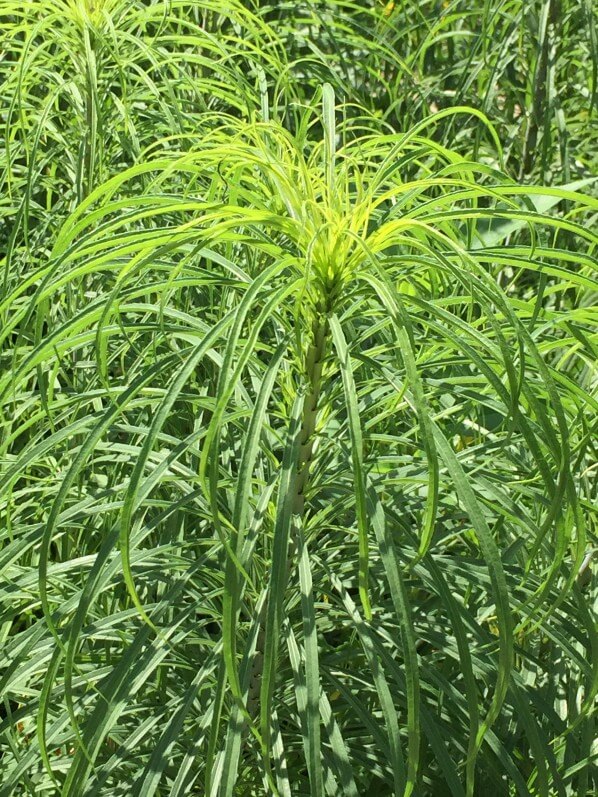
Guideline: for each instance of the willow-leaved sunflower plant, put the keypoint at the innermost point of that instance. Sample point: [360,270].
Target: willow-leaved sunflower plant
[312,476]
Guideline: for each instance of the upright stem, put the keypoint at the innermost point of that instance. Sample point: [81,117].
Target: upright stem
[314,360]
[547,21]
[86,178]
[313,370]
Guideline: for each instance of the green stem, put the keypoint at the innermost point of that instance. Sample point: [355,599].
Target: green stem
[314,360]
[313,370]
[86,179]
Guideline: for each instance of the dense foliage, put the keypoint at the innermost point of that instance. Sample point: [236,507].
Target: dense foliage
[297,398]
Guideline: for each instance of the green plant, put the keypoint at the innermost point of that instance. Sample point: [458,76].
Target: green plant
[284,422]
[88,87]
[529,66]
[297,415]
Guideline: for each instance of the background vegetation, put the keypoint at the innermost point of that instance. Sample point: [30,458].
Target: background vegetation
[297,397]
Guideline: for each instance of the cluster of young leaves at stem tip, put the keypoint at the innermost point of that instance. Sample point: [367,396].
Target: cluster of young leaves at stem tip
[295,352]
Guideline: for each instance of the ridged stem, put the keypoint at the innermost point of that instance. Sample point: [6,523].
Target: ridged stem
[314,361]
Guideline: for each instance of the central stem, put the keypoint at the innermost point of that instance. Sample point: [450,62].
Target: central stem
[313,370]
[314,359]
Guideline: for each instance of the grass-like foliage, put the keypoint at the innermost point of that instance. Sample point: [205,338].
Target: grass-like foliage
[297,361]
